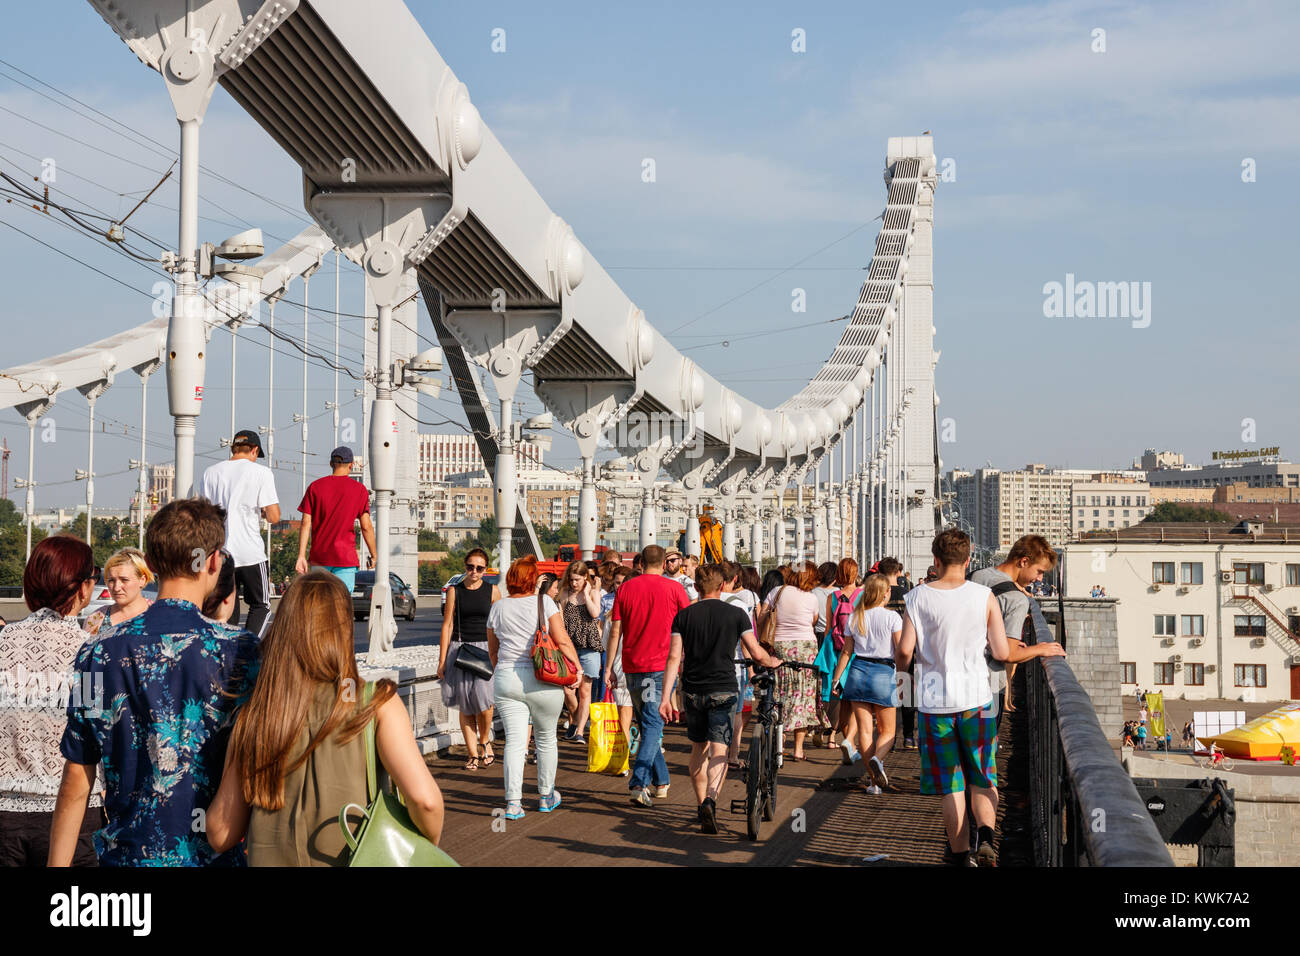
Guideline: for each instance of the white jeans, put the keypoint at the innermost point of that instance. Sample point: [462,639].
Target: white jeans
[520,695]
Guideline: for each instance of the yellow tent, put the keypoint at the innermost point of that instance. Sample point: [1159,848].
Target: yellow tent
[1262,737]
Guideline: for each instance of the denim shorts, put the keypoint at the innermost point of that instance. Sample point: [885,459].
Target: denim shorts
[590,661]
[708,717]
[868,682]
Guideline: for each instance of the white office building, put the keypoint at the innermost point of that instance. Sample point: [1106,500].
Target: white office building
[1204,610]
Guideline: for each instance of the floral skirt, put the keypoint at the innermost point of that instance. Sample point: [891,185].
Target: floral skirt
[798,690]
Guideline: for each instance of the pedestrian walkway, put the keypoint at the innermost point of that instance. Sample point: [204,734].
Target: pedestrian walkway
[838,823]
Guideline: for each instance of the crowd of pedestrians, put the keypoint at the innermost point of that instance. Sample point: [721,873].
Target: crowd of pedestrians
[186,739]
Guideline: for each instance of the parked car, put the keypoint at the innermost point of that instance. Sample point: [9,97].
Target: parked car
[403,596]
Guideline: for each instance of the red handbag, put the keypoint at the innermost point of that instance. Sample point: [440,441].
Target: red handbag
[549,663]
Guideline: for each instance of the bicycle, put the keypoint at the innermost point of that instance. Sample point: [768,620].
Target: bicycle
[1217,761]
[759,803]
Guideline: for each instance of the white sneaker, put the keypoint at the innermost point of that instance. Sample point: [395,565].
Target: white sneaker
[662,791]
[877,771]
[874,790]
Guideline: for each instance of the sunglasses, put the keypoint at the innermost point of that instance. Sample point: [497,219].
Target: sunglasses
[476,567]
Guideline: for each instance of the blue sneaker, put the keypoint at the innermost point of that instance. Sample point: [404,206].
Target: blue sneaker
[514,811]
[549,802]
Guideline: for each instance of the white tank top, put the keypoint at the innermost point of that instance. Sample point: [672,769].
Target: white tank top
[951,674]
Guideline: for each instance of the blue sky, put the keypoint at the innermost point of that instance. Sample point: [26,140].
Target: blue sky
[1115,166]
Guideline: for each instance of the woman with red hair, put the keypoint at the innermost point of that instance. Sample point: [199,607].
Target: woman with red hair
[57,584]
[519,695]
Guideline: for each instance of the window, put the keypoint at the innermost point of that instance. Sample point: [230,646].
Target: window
[1194,675]
[1128,672]
[1250,675]
[1164,626]
[1096,500]
[1247,574]
[1095,512]
[1248,625]
[1164,673]
[1193,625]
[1293,575]
[1192,572]
[1162,572]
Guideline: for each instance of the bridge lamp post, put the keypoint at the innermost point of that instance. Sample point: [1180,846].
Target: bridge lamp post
[144,370]
[507,481]
[92,391]
[33,412]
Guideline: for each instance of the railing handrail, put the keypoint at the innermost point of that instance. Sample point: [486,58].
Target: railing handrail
[1114,822]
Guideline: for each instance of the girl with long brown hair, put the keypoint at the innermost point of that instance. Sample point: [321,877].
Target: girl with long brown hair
[297,752]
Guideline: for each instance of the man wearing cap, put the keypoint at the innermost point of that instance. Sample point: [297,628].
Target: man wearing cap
[328,509]
[247,491]
[673,569]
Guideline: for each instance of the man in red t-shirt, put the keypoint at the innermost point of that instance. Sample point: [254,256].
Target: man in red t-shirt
[644,608]
[328,509]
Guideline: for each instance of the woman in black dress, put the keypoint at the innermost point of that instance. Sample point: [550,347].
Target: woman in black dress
[464,621]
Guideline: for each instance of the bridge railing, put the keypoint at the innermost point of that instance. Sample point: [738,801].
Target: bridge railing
[1084,809]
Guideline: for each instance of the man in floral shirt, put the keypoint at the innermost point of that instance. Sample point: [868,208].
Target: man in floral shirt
[171,680]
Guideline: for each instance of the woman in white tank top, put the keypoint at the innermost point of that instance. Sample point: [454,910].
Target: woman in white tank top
[870,686]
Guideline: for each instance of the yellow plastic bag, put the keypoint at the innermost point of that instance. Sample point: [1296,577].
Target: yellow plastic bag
[607,750]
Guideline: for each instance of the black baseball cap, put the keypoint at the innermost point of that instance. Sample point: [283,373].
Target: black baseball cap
[248,437]
[343,454]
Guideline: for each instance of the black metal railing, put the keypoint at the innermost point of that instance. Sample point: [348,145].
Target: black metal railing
[1083,808]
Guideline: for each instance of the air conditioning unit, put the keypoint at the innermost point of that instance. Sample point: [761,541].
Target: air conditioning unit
[1183,589]
[1155,587]
[1270,587]
[1178,667]
[1167,642]
[1197,642]
[1177,658]
[1225,577]
[1256,642]
[1293,610]
[1211,668]
[1295,660]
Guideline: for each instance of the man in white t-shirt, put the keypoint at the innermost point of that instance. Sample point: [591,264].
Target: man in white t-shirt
[246,490]
[948,624]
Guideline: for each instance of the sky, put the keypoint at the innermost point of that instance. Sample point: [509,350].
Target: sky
[1122,164]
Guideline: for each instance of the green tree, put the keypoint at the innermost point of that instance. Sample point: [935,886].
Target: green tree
[432,541]
[1178,511]
[284,555]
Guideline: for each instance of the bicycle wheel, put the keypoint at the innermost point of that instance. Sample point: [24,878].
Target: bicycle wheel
[773,769]
[1227,763]
[753,785]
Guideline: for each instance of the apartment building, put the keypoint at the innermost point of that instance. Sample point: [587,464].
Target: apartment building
[1204,610]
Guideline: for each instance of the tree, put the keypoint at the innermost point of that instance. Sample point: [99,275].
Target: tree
[432,541]
[1178,511]
[284,555]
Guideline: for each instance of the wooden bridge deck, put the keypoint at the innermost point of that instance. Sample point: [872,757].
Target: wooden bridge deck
[839,823]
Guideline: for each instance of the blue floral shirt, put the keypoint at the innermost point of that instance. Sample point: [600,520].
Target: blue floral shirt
[171,681]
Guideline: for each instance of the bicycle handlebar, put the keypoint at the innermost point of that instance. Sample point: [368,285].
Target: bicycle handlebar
[795,665]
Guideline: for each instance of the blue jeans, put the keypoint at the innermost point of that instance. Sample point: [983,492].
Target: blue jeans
[649,769]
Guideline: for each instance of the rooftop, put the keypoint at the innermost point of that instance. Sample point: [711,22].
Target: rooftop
[1194,532]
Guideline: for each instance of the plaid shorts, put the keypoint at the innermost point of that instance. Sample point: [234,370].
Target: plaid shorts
[955,747]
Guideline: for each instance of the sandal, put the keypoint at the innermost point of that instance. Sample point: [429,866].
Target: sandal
[472,763]
[489,758]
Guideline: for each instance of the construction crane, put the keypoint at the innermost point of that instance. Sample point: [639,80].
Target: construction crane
[710,538]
